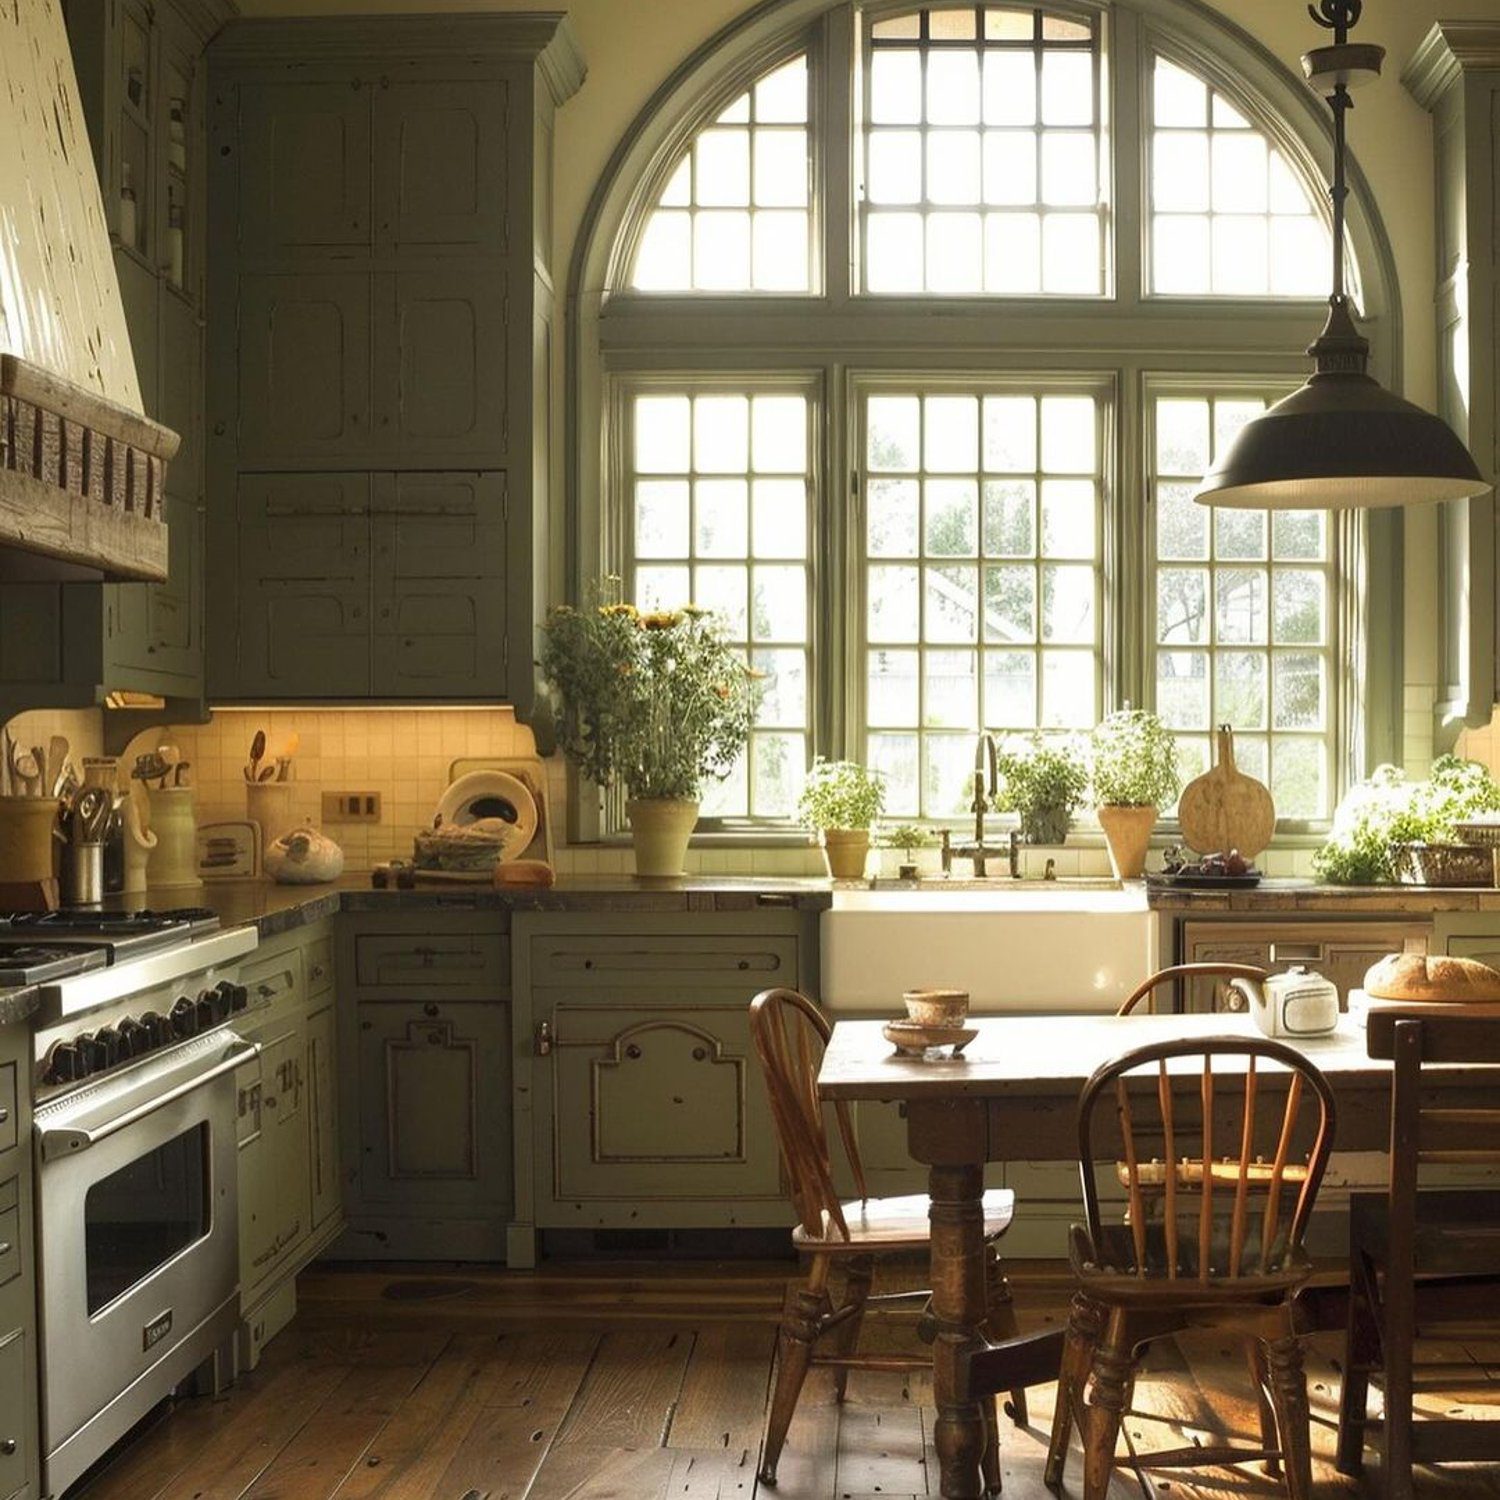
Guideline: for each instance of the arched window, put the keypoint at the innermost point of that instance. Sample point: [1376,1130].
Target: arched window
[909,331]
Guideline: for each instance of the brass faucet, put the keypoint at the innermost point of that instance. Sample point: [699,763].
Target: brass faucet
[985,787]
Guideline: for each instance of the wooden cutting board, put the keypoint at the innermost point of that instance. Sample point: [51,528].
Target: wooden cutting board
[1225,809]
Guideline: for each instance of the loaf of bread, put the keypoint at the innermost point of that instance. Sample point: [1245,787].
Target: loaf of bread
[1445,981]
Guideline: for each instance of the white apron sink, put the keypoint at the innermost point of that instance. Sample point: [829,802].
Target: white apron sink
[1028,947]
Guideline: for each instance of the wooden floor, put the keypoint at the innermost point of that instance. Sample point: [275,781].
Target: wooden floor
[620,1383]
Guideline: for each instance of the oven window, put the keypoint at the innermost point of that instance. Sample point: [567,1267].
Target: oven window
[138,1218]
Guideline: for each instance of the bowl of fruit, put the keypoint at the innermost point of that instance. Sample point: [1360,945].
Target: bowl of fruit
[1207,872]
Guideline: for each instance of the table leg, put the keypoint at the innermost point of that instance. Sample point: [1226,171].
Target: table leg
[958,1307]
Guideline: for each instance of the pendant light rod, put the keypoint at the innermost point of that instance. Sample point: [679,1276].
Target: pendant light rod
[1338,16]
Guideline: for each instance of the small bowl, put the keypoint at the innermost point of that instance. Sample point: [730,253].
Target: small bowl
[937,1007]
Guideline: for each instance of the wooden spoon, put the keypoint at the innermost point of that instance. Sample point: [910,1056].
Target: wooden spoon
[257,754]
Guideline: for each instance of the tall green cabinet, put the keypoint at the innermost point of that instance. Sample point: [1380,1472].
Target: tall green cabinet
[380,353]
[143,83]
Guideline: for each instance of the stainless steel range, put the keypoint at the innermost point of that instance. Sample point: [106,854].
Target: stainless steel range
[137,1205]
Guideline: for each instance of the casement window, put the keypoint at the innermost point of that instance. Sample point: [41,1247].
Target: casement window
[910,331]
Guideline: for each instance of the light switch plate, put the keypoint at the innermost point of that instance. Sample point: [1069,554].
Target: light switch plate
[351,807]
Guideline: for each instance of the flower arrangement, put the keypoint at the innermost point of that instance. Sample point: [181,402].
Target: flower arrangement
[1134,761]
[658,701]
[1045,781]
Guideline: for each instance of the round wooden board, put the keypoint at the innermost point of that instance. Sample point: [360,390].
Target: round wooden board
[1225,809]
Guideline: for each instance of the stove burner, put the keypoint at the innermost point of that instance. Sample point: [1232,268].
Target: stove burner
[31,963]
[105,923]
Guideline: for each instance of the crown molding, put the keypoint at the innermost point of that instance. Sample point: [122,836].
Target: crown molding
[1446,53]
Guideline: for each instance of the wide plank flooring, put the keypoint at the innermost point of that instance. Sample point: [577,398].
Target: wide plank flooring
[603,1382]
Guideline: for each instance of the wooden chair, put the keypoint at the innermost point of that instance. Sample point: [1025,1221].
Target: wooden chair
[789,1033]
[1190,971]
[1407,1268]
[1227,1254]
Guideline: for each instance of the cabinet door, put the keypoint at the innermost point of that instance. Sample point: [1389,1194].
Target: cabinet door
[154,631]
[304,364]
[139,293]
[179,400]
[434,1105]
[15,1433]
[301,568]
[440,167]
[281,1201]
[304,170]
[441,355]
[322,1109]
[439,585]
[657,1105]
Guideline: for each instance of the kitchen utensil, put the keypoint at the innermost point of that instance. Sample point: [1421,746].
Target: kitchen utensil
[1225,809]
[257,754]
[170,756]
[1296,1003]
[283,767]
[149,767]
[178,769]
[26,774]
[90,813]
[289,747]
[39,776]
[492,794]
[57,762]
[267,773]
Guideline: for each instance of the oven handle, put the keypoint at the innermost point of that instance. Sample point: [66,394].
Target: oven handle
[65,1140]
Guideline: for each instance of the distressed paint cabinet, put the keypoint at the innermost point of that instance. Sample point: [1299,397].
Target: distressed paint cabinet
[639,1101]
[143,83]
[377,432]
[19,1422]
[426,1085]
[290,1207]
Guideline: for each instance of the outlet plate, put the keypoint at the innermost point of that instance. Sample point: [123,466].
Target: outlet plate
[351,807]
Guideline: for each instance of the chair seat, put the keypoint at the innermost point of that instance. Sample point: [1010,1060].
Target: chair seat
[895,1223]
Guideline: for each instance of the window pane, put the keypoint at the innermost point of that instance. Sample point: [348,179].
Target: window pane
[721,485]
[981,575]
[1005,116]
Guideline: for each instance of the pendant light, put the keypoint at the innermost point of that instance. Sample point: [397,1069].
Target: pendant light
[1341,440]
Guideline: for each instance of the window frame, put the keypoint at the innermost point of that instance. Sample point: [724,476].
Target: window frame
[836,336]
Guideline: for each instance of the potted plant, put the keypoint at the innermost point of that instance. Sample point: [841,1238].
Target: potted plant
[1135,775]
[908,838]
[1044,781]
[840,800]
[658,702]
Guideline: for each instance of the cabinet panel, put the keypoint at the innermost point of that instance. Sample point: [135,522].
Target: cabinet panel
[275,1194]
[180,393]
[15,1434]
[658,1105]
[304,368]
[476,961]
[304,167]
[438,572]
[744,964]
[140,294]
[434,1105]
[322,1108]
[441,167]
[9,1107]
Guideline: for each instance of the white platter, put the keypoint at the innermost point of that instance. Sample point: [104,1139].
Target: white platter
[492,794]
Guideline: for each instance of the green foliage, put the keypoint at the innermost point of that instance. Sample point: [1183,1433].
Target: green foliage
[1388,809]
[660,702]
[1134,761]
[907,837]
[840,794]
[1038,775]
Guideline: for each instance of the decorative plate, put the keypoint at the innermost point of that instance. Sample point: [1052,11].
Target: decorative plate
[492,794]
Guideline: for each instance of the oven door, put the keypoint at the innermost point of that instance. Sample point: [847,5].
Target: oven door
[138,1228]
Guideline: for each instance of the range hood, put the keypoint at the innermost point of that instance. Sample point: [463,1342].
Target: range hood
[81,468]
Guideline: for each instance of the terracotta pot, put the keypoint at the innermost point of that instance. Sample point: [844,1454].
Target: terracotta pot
[660,828]
[1128,832]
[845,851]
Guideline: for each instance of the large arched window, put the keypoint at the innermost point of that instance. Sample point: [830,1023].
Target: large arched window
[905,332]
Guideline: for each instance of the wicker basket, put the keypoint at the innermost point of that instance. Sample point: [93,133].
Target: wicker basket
[1485,835]
[1443,864]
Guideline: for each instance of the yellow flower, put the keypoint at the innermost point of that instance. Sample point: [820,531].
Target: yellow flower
[662,619]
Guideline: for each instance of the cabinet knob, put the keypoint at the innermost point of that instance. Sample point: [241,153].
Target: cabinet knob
[699,1053]
[8,1446]
[543,1044]
[429,1009]
[632,1051]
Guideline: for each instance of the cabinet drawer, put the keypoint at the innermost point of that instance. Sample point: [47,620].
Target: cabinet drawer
[742,964]
[15,1439]
[9,1107]
[274,980]
[10,1230]
[469,961]
[319,966]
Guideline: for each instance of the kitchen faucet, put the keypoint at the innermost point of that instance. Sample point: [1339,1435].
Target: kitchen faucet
[984,796]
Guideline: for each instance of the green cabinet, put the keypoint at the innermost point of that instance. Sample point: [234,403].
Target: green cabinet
[426,1085]
[640,1101]
[323,1114]
[19,1423]
[376,237]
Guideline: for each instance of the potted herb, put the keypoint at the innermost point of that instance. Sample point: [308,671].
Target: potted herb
[908,838]
[1043,780]
[840,800]
[659,702]
[1134,775]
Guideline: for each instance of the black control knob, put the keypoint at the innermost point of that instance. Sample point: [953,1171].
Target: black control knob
[107,1050]
[135,1040]
[185,1017]
[157,1028]
[224,1005]
[204,1008]
[83,1048]
[63,1064]
[239,997]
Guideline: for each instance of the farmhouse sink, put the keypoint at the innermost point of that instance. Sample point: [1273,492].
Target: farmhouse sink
[1043,946]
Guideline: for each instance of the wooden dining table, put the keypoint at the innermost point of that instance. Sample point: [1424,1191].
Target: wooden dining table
[1012,1096]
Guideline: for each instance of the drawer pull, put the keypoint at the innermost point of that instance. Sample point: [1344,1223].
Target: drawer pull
[744,963]
[8,1447]
[4,1114]
[429,1009]
[318,971]
[632,1051]
[5,1248]
[699,1053]
[544,1038]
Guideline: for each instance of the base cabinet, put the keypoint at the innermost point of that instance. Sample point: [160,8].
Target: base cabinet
[20,1455]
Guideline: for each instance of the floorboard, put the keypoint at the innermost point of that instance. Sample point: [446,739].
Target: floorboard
[595,1382]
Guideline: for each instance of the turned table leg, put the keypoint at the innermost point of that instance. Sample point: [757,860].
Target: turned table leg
[958,1307]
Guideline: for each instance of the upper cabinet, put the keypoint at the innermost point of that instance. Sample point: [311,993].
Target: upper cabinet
[1456,74]
[380,344]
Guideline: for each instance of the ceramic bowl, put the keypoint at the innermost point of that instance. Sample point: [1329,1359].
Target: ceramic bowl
[937,1007]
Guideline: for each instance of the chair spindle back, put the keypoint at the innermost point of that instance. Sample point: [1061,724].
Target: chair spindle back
[1190,972]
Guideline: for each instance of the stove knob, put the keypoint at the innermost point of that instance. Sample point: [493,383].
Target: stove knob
[135,1040]
[239,997]
[107,1050]
[184,1017]
[63,1063]
[204,1009]
[224,999]
[83,1048]
[157,1028]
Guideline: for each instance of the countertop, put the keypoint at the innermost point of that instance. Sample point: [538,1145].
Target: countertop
[1271,897]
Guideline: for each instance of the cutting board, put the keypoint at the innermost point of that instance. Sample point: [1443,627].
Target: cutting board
[1225,809]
